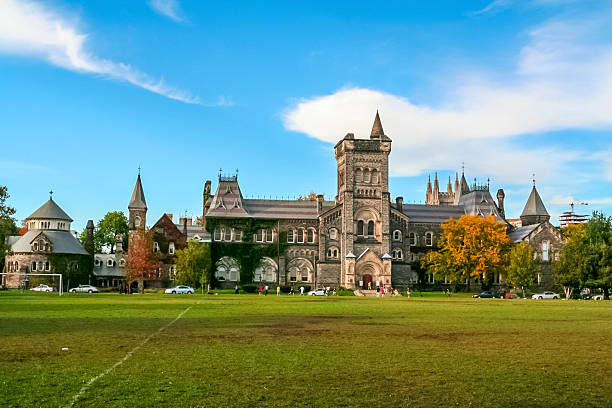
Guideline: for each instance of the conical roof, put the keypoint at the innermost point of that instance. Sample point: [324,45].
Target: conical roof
[377,129]
[50,210]
[138,199]
[534,205]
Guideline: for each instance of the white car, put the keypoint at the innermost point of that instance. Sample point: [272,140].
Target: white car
[546,295]
[598,297]
[84,289]
[42,288]
[180,289]
[317,292]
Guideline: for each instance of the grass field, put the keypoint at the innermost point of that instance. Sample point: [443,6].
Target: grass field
[250,350]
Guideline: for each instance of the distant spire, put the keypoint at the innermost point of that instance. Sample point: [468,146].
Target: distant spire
[377,129]
[428,193]
[449,188]
[456,182]
[138,199]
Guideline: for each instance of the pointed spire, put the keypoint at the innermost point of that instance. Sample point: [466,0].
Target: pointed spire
[449,188]
[464,185]
[534,205]
[377,129]
[456,181]
[138,199]
[436,185]
[428,193]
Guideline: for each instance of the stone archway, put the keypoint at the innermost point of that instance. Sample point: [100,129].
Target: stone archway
[368,272]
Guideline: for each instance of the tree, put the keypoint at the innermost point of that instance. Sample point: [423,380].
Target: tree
[7,223]
[113,224]
[193,264]
[142,264]
[312,196]
[568,270]
[598,260]
[469,247]
[522,268]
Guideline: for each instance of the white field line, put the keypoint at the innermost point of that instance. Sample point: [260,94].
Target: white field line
[84,389]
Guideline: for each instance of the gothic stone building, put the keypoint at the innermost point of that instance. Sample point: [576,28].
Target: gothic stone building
[362,238]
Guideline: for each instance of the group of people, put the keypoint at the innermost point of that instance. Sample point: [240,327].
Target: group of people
[381,291]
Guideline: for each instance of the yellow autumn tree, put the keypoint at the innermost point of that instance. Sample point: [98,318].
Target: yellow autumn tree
[469,247]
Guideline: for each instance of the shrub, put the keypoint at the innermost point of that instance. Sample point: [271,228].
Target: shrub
[249,287]
[285,288]
[345,292]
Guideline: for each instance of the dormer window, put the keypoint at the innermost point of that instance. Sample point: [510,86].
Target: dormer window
[171,248]
[109,263]
[155,247]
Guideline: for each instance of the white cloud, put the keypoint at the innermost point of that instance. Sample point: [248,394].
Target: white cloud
[28,28]
[493,7]
[562,81]
[168,8]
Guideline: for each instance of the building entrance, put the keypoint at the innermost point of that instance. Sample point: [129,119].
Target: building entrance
[367,281]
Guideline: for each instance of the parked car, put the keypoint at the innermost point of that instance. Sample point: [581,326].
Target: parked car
[598,297]
[317,292]
[546,295]
[180,289]
[485,295]
[42,288]
[84,288]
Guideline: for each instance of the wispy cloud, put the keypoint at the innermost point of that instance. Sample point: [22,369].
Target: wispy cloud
[28,28]
[497,6]
[493,7]
[562,81]
[168,8]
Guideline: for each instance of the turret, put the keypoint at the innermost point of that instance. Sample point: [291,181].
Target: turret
[435,199]
[428,193]
[500,202]
[399,203]
[449,188]
[377,129]
[137,207]
[89,237]
[534,211]
[456,182]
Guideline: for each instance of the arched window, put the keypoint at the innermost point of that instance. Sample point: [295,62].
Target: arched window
[397,235]
[300,235]
[399,254]
[171,248]
[366,176]
[428,239]
[33,266]
[227,236]
[260,235]
[109,263]
[333,234]
[137,221]
[413,240]
[332,253]
[16,266]
[374,177]
[237,235]
[371,228]
[310,235]
[360,227]
[156,247]
[268,235]
[545,250]
[218,234]
[358,176]
[36,246]
[122,262]
[290,236]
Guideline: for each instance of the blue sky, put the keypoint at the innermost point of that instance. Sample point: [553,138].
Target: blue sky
[92,90]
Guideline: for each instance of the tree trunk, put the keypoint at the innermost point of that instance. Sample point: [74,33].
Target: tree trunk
[606,293]
[568,292]
[140,286]
[523,289]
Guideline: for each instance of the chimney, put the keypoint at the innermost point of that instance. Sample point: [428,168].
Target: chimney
[320,198]
[185,226]
[399,203]
[500,202]
[118,244]
[89,237]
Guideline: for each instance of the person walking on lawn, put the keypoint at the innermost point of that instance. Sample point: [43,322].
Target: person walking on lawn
[260,288]
[278,291]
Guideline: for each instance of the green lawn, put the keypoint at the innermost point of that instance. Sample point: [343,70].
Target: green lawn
[251,350]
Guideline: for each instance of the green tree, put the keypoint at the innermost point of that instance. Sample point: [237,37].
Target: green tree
[568,270]
[7,223]
[194,265]
[522,269]
[105,234]
[598,254]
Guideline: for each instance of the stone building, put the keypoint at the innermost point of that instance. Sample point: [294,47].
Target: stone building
[48,246]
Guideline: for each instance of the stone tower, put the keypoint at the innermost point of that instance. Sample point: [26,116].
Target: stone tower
[89,237]
[363,191]
[534,211]
[137,208]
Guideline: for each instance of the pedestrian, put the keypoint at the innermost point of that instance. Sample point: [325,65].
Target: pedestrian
[292,292]
[260,288]
[301,291]
[334,291]
[408,292]
[378,291]
[266,290]
[382,291]
[236,290]
[278,291]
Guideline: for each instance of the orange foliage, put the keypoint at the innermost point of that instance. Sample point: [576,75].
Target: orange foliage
[469,247]
[142,264]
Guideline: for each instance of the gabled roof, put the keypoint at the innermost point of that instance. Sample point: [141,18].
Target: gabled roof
[534,205]
[432,213]
[520,233]
[138,199]
[62,242]
[49,210]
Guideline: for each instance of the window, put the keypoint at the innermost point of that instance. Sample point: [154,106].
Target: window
[227,234]
[428,239]
[333,234]
[290,235]
[366,176]
[332,253]
[172,272]
[16,266]
[260,236]
[33,266]
[109,263]
[137,221]
[47,266]
[122,262]
[36,246]
[412,239]
[371,228]
[397,235]
[358,176]
[155,247]
[545,250]
[310,235]
[171,248]
[374,177]
[268,235]
[300,236]
[360,227]
[218,234]
[430,278]
[397,254]
[412,257]
[237,235]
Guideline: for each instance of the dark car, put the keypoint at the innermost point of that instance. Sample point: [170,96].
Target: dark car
[485,295]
